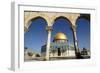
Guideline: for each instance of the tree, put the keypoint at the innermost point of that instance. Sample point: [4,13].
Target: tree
[37,55]
[30,53]
[84,51]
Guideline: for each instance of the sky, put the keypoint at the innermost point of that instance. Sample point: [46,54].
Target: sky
[37,35]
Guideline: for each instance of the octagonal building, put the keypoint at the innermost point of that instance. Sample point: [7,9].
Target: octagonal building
[59,47]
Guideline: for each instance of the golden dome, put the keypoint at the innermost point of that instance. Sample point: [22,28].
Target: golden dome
[60,36]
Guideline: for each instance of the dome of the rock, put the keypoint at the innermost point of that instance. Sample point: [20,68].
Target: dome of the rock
[60,36]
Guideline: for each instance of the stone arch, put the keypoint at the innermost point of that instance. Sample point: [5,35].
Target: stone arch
[32,25]
[71,19]
[64,18]
[84,16]
[32,16]
[37,18]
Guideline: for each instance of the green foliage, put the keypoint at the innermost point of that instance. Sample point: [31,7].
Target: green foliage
[30,53]
[37,55]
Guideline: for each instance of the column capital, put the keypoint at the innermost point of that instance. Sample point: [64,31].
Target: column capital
[49,28]
[73,27]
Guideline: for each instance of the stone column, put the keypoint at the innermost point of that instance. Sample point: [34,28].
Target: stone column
[77,52]
[49,29]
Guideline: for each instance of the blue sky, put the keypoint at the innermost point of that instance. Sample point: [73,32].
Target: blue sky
[37,35]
